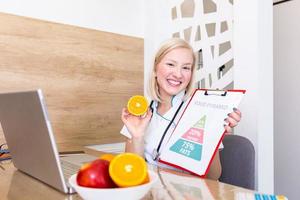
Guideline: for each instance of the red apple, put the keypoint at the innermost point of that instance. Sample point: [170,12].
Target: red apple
[95,175]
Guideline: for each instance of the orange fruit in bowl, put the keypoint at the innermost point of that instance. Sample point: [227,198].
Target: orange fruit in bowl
[147,179]
[107,156]
[128,169]
[137,105]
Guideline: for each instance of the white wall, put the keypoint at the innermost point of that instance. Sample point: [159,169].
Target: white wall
[116,16]
[153,33]
[287,98]
[254,72]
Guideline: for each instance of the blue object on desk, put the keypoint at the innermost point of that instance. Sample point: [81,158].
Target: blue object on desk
[273,197]
[257,197]
[6,158]
[4,151]
[265,197]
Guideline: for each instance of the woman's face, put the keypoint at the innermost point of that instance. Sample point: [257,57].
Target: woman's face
[174,72]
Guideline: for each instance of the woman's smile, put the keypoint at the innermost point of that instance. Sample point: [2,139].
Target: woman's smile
[173,82]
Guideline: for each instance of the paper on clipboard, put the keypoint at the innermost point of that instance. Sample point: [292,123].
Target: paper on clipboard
[200,130]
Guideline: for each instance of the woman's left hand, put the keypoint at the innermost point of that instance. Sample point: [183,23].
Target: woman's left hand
[232,120]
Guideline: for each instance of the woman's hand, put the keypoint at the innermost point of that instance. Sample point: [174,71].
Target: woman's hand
[136,125]
[232,120]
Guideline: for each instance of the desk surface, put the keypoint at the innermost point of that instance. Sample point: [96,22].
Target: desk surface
[16,185]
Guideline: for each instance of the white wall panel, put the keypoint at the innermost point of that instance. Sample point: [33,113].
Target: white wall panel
[287,98]
[116,16]
[253,71]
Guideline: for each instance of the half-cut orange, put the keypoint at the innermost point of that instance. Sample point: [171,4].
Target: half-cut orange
[137,105]
[128,169]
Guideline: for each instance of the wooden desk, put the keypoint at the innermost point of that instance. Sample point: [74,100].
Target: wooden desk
[15,185]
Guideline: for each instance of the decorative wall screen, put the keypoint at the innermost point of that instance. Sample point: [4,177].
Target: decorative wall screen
[207,25]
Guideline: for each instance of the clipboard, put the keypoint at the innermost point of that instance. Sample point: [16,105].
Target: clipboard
[200,129]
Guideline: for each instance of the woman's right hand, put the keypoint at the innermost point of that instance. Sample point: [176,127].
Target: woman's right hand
[136,125]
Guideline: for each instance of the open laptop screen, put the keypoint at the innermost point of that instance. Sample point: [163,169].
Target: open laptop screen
[29,136]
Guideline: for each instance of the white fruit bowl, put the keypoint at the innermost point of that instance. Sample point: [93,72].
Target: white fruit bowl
[132,193]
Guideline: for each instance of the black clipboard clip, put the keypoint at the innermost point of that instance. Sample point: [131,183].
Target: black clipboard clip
[216,92]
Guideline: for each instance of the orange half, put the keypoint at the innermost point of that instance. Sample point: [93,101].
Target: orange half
[128,169]
[137,105]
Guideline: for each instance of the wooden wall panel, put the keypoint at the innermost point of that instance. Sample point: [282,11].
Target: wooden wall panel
[86,75]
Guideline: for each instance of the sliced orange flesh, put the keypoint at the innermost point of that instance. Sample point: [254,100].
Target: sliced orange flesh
[137,105]
[128,169]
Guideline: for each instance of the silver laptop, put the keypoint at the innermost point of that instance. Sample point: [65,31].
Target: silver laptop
[29,136]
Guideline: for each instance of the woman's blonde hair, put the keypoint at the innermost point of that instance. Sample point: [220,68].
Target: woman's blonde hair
[165,48]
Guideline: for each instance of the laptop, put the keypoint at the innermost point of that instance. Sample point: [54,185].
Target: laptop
[30,139]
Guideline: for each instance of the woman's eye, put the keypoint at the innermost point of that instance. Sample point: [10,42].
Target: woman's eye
[170,64]
[187,68]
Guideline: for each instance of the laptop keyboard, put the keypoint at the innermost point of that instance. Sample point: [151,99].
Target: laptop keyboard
[69,168]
